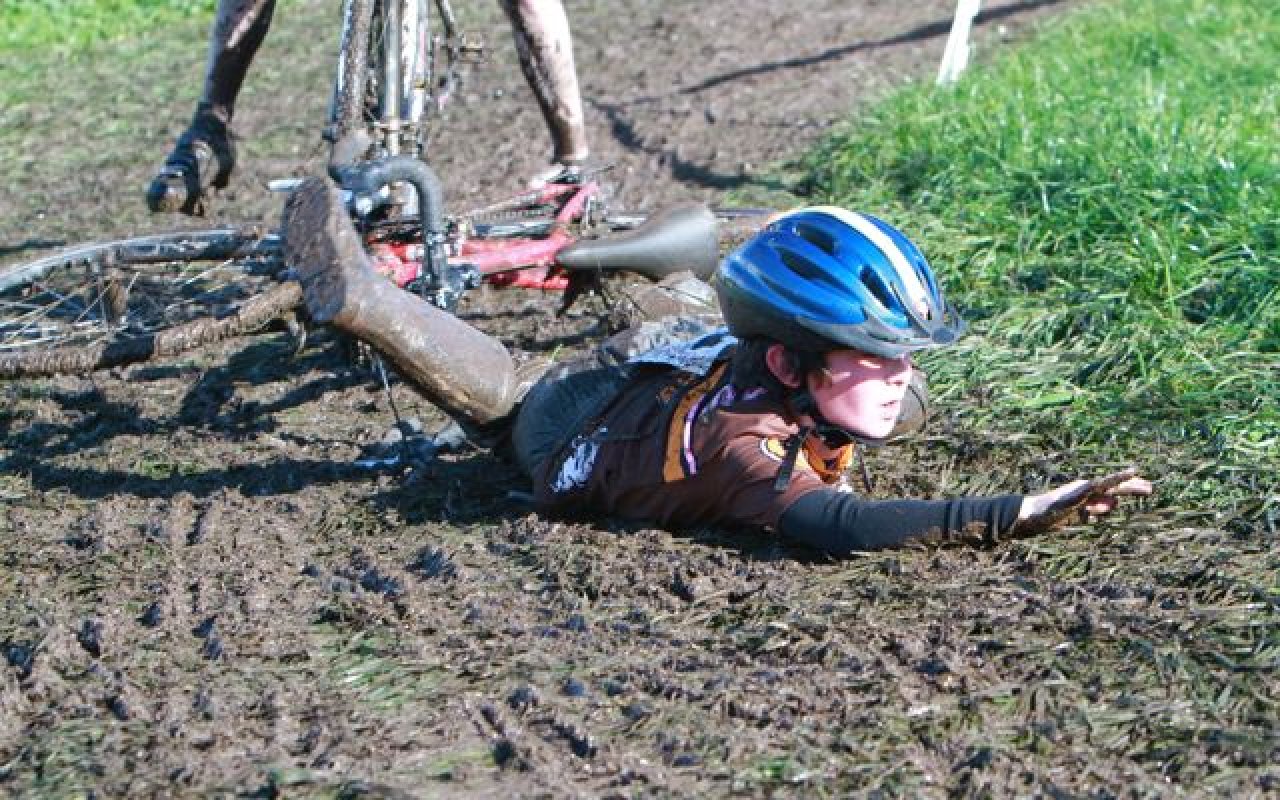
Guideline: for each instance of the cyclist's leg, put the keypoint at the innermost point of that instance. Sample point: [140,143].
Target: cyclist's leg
[545,47]
[680,294]
[205,153]
[459,368]
[238,32]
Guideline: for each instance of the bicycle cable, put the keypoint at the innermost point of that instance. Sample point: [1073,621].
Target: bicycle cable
[406,454]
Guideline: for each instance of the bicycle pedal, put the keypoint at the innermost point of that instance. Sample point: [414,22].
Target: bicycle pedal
[470,51]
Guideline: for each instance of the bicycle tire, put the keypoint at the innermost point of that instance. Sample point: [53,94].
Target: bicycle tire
[362,109]
[126,301]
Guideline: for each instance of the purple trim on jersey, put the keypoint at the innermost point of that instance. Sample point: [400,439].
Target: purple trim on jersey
[686,438]
[726,396]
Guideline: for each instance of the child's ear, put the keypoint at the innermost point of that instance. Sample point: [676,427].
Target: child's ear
[783,366]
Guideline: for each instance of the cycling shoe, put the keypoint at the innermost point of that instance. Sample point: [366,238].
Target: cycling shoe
[204,156]
[559,172]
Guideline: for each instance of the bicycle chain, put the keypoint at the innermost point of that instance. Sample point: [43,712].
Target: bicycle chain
[507,215]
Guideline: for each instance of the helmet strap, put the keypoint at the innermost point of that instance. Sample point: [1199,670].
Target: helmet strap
[794,445]
[833,436]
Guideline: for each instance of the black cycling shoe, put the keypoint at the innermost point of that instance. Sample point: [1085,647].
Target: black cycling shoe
[204,156]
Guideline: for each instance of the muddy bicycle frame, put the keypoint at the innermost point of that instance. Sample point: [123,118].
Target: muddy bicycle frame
[377,156]
[547,239]
[535,239]
[495,250]
[405,73]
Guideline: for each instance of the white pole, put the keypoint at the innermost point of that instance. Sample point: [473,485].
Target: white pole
[956,56]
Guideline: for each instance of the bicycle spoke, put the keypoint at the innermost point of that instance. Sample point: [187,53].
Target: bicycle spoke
[107,293]
[37,314]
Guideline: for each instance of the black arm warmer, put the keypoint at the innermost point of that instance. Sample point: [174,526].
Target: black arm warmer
[840,522]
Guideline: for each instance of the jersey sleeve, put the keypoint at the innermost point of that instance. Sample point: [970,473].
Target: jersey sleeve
[839,523]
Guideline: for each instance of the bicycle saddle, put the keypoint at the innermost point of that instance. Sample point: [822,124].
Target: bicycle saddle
[675,239]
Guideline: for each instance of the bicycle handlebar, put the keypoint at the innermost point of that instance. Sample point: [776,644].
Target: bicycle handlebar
[369,177]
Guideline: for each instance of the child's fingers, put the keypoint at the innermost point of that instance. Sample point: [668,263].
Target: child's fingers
[1116,479]
[1134,486]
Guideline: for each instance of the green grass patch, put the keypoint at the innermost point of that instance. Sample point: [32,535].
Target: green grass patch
[74,24]
[371,670]
[44,43]
[1104,206]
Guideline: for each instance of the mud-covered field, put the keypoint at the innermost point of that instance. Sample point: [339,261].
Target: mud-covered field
[208,590]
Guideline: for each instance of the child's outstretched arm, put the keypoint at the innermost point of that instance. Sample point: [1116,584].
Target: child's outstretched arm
[840,523]
[1080,500]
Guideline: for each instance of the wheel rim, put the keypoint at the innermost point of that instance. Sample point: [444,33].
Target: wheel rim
[127,289]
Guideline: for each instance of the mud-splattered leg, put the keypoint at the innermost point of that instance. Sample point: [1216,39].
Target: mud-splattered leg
[205,154]
[459,368]
[238,31]
[541,31]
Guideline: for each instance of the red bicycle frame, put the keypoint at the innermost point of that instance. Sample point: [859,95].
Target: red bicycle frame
[516,261]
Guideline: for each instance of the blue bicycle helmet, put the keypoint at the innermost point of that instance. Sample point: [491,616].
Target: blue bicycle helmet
[824,278]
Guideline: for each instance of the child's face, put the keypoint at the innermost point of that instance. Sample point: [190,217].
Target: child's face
[860,392]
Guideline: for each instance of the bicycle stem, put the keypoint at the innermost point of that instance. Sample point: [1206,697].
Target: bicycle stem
[369,177]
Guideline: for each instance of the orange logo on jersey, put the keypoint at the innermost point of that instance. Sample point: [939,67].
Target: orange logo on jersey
[776,450]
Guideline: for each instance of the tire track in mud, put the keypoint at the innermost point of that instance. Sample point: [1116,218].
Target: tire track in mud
[76,639]
[635,674]
[602,601]
[203,609]
[190,643]
[250,600]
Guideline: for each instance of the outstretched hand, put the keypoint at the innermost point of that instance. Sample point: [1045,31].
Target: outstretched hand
[1079,501]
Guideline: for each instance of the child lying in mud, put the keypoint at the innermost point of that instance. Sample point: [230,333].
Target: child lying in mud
[679,424]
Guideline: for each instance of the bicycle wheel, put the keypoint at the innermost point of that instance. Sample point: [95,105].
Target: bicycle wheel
[120,302]
[382,89]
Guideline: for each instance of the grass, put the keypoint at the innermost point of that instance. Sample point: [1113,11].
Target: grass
[70,25]
[378,677]
[1104,209]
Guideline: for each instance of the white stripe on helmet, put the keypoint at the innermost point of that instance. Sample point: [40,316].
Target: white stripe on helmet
[918,295]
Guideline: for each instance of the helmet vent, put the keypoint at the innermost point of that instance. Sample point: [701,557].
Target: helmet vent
[818,238]
[801,266]
[876,285]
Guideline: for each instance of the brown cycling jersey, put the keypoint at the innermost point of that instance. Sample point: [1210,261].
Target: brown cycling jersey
[681,449]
